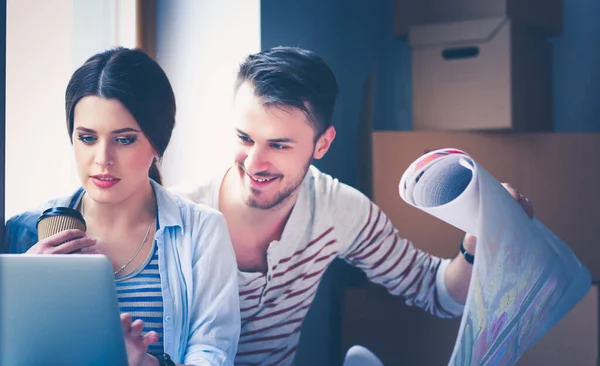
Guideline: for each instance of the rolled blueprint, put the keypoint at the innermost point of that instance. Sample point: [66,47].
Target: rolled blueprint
[525,279]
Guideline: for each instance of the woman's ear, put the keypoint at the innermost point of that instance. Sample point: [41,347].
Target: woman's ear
[324,142]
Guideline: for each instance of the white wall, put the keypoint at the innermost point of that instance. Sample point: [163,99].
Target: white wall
[94,28]
[200,44]
[38,65]
[45,42]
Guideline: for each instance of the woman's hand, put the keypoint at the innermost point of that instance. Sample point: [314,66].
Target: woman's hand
[65,242]
[136,345]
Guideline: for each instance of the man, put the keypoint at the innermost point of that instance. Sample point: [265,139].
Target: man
[288,221]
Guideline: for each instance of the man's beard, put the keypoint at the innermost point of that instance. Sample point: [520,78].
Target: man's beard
[281,196]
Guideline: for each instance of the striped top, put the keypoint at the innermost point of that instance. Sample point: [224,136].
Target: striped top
[329,220]
[139,293]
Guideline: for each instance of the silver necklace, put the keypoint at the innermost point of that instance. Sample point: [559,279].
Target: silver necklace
[139,248]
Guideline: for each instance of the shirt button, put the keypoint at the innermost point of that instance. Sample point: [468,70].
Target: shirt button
[168,318]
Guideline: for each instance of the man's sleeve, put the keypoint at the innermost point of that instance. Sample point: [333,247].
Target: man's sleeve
[375,246]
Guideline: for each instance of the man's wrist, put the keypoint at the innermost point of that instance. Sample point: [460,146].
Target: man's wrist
[469,257]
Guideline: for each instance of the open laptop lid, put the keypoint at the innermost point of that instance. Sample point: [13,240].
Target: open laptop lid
[59,310]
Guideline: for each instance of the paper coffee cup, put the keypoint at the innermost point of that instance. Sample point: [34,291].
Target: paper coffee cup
[57,219]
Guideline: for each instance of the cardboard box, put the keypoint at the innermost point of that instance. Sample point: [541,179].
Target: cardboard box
[487,74]
[544,15]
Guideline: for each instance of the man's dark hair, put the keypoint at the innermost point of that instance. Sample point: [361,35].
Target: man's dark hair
[292,77]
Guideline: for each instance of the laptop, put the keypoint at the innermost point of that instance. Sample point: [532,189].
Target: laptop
[59,310]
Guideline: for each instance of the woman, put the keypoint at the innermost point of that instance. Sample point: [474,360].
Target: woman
[173,261]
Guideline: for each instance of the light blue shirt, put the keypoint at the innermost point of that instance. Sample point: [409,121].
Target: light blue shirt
[198,273]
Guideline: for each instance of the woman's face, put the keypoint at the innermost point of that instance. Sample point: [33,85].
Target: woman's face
[112,153]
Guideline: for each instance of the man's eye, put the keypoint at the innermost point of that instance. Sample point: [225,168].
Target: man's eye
[279,146]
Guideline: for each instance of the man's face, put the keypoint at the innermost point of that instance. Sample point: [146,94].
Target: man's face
[275,147]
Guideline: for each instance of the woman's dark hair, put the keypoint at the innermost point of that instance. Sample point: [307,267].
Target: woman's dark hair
[139,83]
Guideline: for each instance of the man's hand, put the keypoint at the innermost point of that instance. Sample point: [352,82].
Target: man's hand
[522,200]
[65,242]
[470,241]
[136,345]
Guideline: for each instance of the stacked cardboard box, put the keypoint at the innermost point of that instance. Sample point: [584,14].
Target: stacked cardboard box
[480,65]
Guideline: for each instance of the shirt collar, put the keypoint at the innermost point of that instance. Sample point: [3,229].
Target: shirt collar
[169,213]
